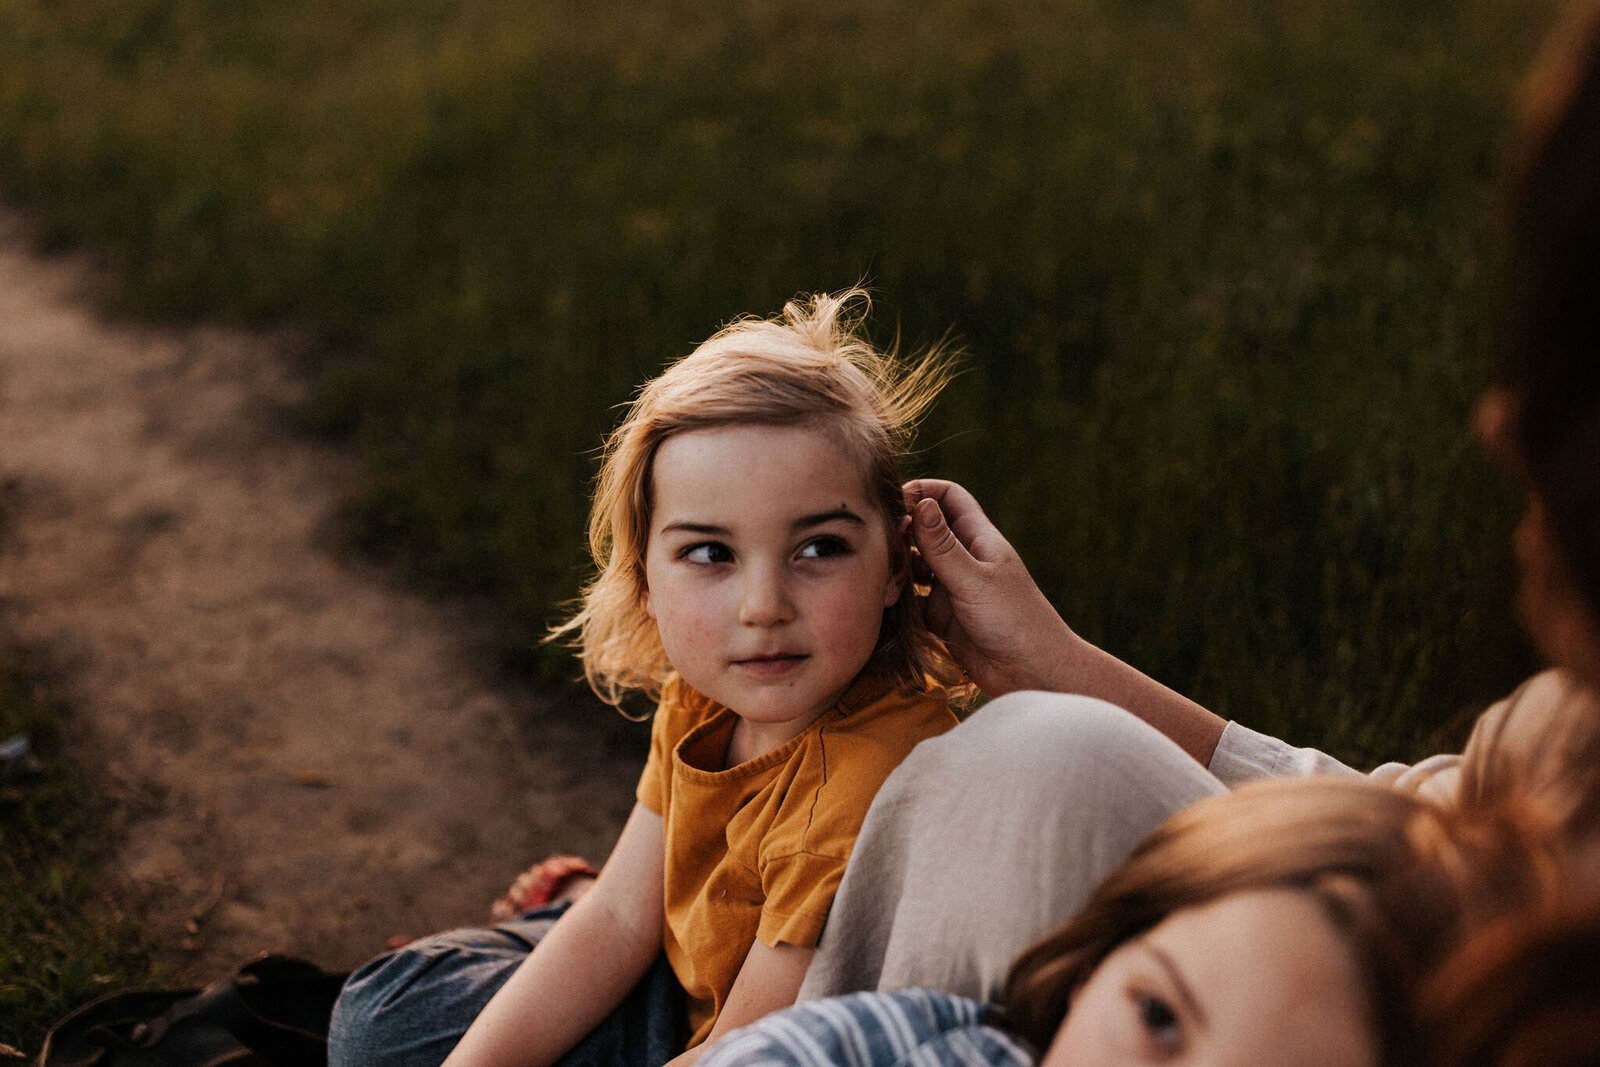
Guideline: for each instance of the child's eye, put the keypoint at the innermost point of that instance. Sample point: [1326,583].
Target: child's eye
[824,547]
[1159,1021]
[707,552]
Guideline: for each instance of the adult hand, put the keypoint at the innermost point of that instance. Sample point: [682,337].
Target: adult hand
[999,626]
[982,602]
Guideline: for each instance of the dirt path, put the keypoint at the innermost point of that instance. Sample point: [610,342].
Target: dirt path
[307,759]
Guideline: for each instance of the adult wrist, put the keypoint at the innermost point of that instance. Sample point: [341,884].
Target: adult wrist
[1058,666]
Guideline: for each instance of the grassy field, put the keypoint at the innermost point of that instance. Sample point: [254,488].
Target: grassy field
[61,941]
[1219,266]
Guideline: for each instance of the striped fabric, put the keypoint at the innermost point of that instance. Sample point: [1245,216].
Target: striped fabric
[907,1028]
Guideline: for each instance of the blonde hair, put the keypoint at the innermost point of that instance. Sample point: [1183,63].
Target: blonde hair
[1398,876]
[807,366]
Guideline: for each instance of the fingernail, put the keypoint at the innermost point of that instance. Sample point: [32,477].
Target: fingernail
[928,514]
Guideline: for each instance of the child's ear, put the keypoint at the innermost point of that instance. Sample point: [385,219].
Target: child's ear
[899,564]
[649,608]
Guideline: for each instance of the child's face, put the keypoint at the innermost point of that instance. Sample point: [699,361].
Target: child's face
[1255,977]
[768,571]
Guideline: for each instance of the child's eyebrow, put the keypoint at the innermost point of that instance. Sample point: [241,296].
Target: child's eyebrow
[823,517]
[703,528]
[804,522]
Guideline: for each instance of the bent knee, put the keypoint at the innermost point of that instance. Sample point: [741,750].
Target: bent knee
[410,1007]
[356,1031]
[1072,741]
[1054,726]
[371,1009]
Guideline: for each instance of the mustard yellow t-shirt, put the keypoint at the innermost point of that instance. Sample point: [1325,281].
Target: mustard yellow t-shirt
[757,850]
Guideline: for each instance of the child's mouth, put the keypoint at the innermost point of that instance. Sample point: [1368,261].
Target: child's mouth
[768,666]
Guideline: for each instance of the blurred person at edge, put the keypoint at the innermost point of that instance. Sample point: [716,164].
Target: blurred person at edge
[1522,992]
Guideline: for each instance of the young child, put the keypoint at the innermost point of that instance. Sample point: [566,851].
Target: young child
[749,530]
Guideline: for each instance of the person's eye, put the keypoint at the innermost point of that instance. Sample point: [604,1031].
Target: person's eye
[1159,1021]
[707,552]
[824,548]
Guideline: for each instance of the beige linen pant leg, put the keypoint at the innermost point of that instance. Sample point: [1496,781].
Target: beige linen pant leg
[992,835]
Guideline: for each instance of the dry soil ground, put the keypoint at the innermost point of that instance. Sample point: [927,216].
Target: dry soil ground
[303,756]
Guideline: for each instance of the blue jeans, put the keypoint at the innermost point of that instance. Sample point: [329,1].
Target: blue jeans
[409,1007]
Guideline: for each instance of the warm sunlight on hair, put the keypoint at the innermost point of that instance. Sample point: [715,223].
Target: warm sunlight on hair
[810,365]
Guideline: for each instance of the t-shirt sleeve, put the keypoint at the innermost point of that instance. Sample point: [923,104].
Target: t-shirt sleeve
[799,891]
[664,734]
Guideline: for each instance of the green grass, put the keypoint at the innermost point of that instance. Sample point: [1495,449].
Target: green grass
[1219,265]
[62,941]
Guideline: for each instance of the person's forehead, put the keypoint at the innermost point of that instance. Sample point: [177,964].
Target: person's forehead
[769,469]
[1276,980]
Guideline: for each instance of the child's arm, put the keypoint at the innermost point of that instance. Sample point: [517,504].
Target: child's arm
[584,967]
[769,979]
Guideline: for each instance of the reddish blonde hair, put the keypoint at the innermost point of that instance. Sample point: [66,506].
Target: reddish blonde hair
[1398,876]
[808,366]
[1522,992]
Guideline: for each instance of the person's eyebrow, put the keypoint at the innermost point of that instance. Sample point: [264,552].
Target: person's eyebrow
[804,522]
[705,529]
[1185,991]
[839,514]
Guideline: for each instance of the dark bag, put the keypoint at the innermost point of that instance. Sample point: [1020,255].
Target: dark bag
[273,1012]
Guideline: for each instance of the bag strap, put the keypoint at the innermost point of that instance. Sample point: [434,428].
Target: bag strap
[273,1010]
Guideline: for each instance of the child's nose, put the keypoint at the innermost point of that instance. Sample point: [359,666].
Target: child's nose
[764,599]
